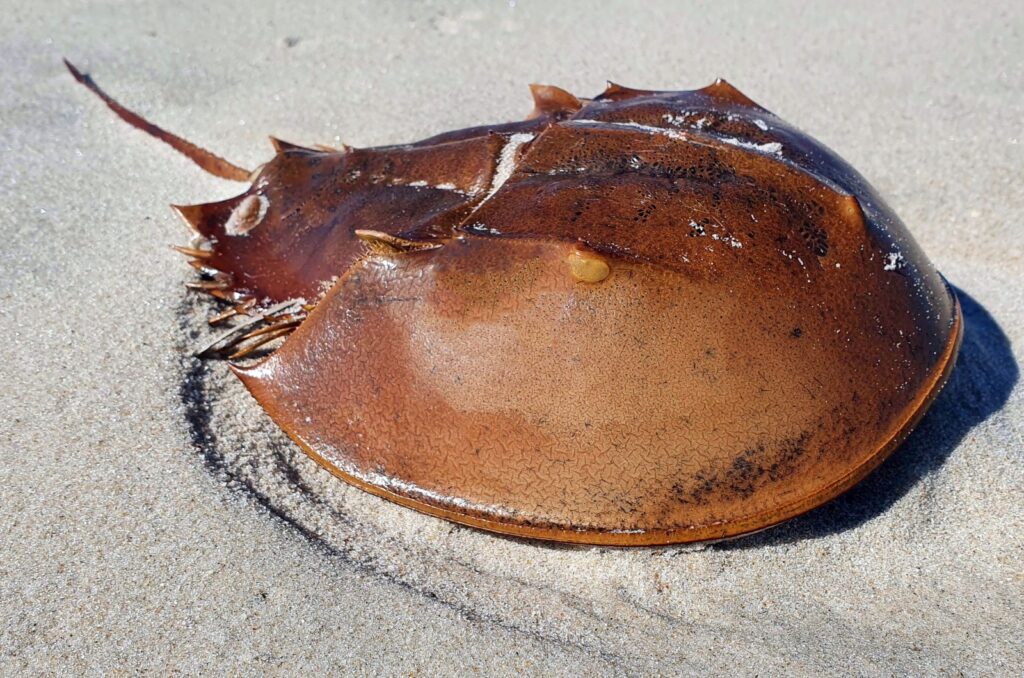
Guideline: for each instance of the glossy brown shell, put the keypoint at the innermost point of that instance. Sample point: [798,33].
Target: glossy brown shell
[644,318]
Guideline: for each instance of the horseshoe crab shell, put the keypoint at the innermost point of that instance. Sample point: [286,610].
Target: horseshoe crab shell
[643,318]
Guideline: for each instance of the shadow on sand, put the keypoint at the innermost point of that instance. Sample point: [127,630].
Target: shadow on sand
[979,386]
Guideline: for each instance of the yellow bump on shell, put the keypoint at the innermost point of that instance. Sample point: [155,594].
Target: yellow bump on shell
[587,266]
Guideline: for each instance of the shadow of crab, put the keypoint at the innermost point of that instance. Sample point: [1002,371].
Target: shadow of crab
[251,455]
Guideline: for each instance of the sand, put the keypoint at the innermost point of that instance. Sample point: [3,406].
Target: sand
[153,519]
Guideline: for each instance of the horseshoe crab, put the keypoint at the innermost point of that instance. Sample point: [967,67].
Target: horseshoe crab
[647,317]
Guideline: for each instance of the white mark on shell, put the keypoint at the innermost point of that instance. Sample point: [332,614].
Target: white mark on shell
[772,148]
[482,228]
[893,261]
[507,161]
[629,124]
[247,215]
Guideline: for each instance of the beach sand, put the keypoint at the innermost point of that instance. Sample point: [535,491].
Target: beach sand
[155,520]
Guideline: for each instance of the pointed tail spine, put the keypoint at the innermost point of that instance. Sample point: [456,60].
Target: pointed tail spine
[210,162]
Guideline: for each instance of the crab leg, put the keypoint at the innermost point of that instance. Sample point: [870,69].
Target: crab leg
[289,322]
[238,309]
[231,337]
[208,285]
[192,252]
[264,339]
